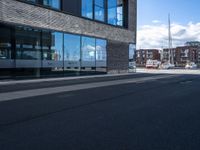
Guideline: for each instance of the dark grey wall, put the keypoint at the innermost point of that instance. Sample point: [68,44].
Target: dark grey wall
[132,17]
[72,7]
[117,54]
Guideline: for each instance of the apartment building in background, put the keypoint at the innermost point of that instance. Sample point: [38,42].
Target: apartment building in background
[166,53]
[41,38]
[181,55]
[142,55]
[186,54]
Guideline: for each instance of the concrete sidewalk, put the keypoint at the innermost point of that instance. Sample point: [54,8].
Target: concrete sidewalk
[53,90]
[169,71]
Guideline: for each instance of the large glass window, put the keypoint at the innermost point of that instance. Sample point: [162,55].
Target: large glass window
[115,12]
[99,10]
[72,51]
[101,55]
[52,48]
[120,12]
[88,52]
[95,9]
[28,51]
[101,50]
[87,8]
[52,3]
[28,43]
[5,43]
[112,12]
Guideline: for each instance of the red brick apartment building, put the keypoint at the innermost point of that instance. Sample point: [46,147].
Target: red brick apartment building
[142,55]
[182,55]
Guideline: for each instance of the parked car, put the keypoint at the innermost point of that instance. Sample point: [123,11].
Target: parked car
[154,64]
[167,66]
[190,65]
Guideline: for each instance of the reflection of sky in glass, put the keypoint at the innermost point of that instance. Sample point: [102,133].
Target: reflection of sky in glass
[120,16]
[99,10]
[71,47]
[100,50]
[88,49]
[131,51]
[87,8]
[112,12]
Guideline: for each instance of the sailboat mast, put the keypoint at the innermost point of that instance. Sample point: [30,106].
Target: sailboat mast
[171,56]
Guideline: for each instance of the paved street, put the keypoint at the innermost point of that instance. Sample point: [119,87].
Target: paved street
[130,112]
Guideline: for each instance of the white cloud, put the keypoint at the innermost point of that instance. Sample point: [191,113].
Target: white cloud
[156,35]
[156,21]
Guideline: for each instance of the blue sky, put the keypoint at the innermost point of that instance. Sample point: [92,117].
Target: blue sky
[182,11]
[185,15]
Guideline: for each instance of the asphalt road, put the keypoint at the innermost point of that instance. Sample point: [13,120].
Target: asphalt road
[162,114]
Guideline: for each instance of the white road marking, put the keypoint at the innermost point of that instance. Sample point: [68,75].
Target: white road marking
[54,90]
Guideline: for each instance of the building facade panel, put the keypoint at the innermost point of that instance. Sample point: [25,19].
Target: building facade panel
[118,58]
[16,12]
[42,39]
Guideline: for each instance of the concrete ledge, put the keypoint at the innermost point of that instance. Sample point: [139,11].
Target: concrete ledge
[13,82]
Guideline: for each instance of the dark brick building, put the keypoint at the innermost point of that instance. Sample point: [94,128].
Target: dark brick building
[63,37]
[143,55]
[186,54]
[166,52]
[182,55]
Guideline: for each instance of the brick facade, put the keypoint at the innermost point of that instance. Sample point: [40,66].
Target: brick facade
[19,13]
[143,55]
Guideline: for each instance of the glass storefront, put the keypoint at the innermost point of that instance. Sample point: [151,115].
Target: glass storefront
[36,53]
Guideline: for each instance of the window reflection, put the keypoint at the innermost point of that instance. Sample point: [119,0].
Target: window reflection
[52,50]
[28,44]
[88,52]
[72,50]
[42,52]
[132,63]
[52,46]
[99,10]
[101,55]
[52,3]
[5,43]
[112,12]
[120,12]
[100,50]
[132,50]
[87,8]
